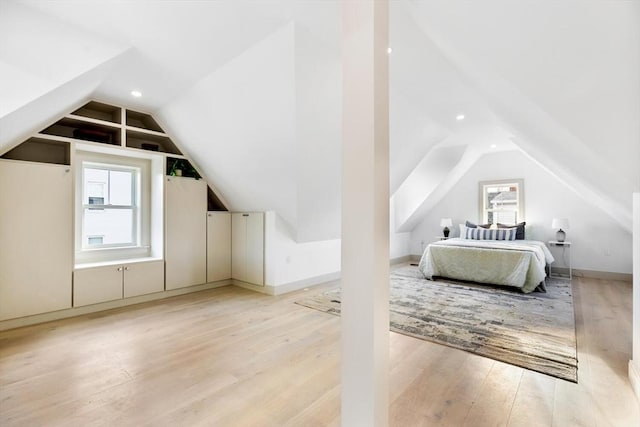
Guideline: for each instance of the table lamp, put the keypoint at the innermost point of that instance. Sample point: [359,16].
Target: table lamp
[559,224]
[446,223]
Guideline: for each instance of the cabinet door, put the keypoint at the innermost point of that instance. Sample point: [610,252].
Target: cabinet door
[239,246]
[97,284]
[186,232]
[218,246]
[36,232]
[143,278]
[247,247]
[255,248]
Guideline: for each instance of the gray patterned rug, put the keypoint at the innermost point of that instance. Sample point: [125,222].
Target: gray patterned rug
[535,331]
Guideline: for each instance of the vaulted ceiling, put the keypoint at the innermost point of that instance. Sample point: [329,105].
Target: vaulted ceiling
[252,91]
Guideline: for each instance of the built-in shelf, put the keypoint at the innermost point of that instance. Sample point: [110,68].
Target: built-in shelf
[100,111]
[101,124]
[151,142]
[181,167]
[213,202]
[142,121]
[84,131]
[41,150]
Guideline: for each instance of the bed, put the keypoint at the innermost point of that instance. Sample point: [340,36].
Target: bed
[515,263]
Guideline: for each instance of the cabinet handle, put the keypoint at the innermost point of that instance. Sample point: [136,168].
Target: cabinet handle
[126,268]
[119,268]
[245,214]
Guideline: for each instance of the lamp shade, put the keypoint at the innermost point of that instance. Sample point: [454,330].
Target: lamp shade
[560,223]
[446,222]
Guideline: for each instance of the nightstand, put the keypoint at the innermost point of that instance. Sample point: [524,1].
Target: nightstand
[566,247]
[442,238]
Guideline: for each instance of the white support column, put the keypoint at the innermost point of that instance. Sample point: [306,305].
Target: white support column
[365,214]
[634,363]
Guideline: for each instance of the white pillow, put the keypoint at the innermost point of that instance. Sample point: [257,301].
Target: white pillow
[463,231]
[491,234]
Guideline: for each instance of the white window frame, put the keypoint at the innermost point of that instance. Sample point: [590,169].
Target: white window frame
[85,253]
[134,206]
[484,210]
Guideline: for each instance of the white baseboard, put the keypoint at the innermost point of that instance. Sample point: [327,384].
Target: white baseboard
[603,275]
[400,260]
[250,286]
[634,378]
[301,284]
[78,311]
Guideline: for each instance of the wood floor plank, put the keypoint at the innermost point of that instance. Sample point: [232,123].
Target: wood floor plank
[533,404]
[456,400]
[232,357]
[493,404]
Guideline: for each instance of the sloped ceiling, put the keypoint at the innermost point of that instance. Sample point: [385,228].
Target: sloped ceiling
[558,80]
[563,80]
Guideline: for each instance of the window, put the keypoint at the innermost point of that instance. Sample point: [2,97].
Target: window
[110,206]
[118,206]
[502,201]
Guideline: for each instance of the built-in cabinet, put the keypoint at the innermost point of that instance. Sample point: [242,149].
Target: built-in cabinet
[36,238]
[185,232]
[247,247]
[96,284]
[142,278]
[38,270]
[218,246]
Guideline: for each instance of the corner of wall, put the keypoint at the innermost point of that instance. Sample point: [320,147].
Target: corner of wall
[294,265]
[634,363]
[634,378]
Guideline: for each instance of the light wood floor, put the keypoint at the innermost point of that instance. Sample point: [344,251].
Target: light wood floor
[231,357]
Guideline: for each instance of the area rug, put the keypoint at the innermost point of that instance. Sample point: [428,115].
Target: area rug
[535,331]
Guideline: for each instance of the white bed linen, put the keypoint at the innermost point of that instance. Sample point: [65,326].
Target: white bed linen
[524,268]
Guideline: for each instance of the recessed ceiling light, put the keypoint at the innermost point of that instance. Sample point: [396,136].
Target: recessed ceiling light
[136,93]
[460,117]
[389,50]
[493,145]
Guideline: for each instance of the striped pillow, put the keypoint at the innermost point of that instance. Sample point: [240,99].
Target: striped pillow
[491,234]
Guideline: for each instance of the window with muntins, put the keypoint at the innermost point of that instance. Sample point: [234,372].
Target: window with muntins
[502,201]
[110,205]
[113,208]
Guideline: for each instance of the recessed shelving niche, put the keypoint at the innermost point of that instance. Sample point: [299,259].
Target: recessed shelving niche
[99,123]
[84,131]
[151,142]
[40,150]
[102,123]
[99,111]
[142,121]
[213,202]
[181,167]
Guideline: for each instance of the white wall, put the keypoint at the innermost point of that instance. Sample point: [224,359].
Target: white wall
[599,243]
[399,243]
[634,363]
[47,55]
[573,101]
[287,261]
[238,124]
[265,129]
[318,86]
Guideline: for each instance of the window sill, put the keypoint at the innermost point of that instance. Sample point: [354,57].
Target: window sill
[110,256]
[81,266]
